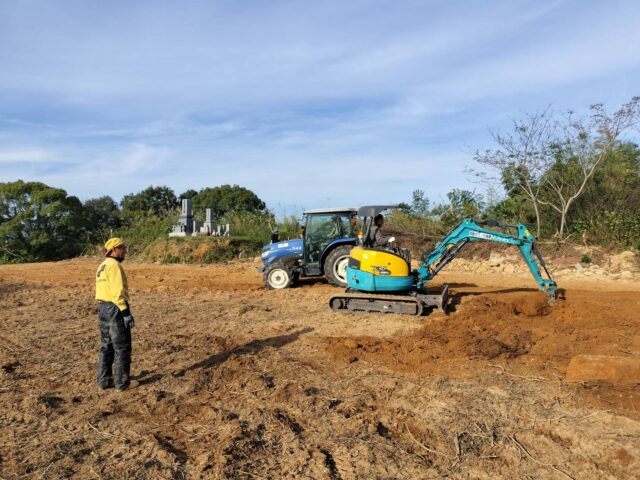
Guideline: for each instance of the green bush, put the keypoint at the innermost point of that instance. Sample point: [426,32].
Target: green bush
[140,230]
[249,225]
[199,249]
[404,222]
[289,228]
[618,228]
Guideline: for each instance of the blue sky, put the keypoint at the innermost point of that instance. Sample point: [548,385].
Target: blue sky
[309,104]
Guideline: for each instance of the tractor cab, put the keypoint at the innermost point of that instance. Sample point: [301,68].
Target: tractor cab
[324,228]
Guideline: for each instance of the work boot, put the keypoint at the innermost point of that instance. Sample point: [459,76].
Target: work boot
[131,385]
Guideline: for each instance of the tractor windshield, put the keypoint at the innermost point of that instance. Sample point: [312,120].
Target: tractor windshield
[322,229]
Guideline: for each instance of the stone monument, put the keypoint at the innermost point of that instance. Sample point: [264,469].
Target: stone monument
[184,227]
[188,226]
[209,226]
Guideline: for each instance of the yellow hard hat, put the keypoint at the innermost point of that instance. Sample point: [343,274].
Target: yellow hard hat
[113,243]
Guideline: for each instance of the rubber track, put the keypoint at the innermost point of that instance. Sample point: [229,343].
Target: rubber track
[400,299]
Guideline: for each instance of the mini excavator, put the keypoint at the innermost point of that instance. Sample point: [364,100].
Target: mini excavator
[380,279]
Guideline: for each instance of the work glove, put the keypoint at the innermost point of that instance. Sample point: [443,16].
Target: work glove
[391,239]
[128,322]
[127,318]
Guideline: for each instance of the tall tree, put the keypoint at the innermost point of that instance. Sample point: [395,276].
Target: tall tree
[103,204]
[39,222]
[159,201]
[419,204]
[189,194]
[580,147]
[103,215]
[462,203]
[227,198]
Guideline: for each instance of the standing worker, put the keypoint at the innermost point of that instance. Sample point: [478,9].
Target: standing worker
[115,317]
[376,238]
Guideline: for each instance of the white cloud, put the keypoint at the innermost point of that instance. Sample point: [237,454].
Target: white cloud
[25,154]
[231,56]
[298,101]
[141,158]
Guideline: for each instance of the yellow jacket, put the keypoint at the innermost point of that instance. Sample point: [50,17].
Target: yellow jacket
[111,283]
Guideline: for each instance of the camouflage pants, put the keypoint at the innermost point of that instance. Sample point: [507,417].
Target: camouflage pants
[115,347]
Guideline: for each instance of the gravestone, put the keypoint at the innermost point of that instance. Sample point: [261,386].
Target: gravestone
[209,226]
[188,226]
[184,227]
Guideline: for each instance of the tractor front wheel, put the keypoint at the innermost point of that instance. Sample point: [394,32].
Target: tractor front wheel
[335,266]
[278,276]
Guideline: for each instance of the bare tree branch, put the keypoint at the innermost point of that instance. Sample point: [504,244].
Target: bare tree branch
[580,148]
[521,157]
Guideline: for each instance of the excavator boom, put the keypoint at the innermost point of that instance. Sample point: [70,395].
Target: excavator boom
[472,230]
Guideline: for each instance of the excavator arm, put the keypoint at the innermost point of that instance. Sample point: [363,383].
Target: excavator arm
[473,230]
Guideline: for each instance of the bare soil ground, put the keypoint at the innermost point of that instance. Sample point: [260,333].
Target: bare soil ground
[243,383]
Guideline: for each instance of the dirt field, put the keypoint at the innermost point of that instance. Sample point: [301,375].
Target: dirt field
[242,383]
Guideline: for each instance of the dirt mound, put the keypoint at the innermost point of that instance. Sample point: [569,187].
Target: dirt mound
[479,330]
[532,305]
[508,327]
[529,304]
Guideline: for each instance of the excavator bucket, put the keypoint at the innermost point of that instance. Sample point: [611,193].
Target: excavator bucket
[438,300]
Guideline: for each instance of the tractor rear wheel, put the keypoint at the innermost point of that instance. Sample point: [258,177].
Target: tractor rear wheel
[277,276]
[335,266]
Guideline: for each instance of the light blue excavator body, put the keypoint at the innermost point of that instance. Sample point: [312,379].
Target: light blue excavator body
[433,261]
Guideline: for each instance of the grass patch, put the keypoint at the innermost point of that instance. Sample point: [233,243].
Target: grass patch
[199,249]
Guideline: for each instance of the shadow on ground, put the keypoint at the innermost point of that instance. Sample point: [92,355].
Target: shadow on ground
[250,348]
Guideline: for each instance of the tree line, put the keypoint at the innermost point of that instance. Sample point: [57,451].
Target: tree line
[576,173]
[39,222]
[570,176]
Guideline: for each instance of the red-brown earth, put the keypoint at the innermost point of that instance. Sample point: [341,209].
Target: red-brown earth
[241,382]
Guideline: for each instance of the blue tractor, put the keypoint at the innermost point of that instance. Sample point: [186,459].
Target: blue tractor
[328,236]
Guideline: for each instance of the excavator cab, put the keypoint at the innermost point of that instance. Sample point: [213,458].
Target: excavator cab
[373,268]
